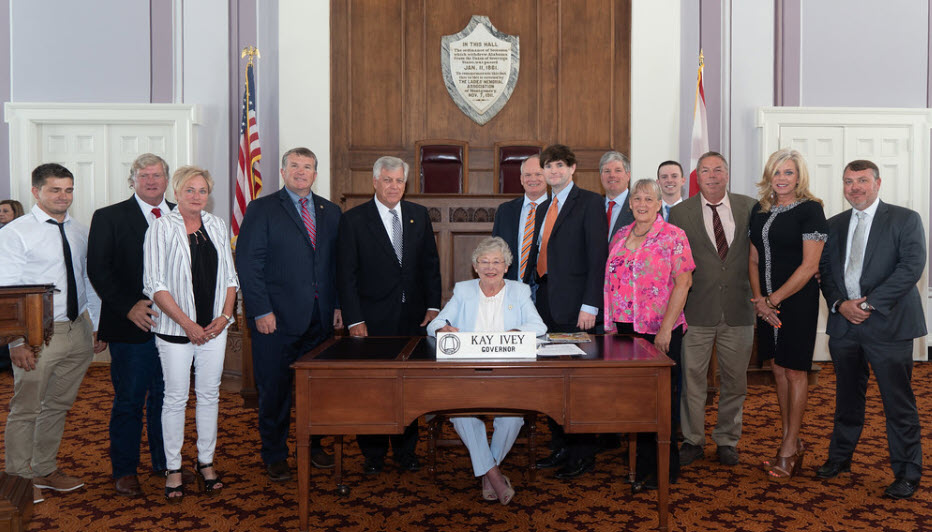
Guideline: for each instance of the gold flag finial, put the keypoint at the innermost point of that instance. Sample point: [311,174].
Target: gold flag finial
[252,52]
[701,58]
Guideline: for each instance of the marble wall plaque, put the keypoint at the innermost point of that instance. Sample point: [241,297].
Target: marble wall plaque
[480,68]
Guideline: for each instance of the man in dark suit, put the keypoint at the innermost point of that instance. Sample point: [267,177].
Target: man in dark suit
[718,310]
[871,263]
[114,266]
[671,179]
[615,173]
[389,279]
[286,258]
[515,220]
[572,238]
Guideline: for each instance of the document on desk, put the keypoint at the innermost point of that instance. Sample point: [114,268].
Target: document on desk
[558,350]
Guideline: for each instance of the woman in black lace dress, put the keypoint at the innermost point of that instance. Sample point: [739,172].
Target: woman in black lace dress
[788,231]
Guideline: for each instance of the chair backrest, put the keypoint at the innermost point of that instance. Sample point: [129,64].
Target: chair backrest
[441,166]
[507,162]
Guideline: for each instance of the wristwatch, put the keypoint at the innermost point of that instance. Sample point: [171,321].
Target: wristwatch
[865,306]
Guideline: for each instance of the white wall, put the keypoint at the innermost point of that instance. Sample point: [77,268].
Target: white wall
[87,51]
[752,86]
[864,53]
[655,85]
[304,83]
[207,84]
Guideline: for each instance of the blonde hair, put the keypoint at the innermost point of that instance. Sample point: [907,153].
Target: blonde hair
[765,186]
[187,173]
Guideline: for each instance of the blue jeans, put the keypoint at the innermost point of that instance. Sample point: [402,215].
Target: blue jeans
[136,374]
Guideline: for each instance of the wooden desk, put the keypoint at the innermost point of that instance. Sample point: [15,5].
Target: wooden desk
[380,385]
[26,311]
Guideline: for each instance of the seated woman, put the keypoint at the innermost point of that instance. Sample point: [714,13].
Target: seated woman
[647,277]
[489,303]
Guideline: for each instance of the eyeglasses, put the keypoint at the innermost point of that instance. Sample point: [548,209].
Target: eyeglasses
[487,263]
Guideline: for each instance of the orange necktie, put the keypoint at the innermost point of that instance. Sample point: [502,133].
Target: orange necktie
[545,239]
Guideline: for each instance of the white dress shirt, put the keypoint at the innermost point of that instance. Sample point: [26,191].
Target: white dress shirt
[724,212]
[147,209]
[665,207]
[167,266]
[32,254]
[490,315]
[870,211]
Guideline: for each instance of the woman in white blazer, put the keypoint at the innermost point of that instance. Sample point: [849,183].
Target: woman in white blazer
[489,303]
[188,272]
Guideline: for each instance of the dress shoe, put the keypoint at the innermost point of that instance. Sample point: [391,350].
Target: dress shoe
[832,469]
[279,471]
[373,466]
[321,460]
[58,480]
[575,468]
[128,486]
[901,489]
[409,463]
[689,453]
[727,455]
[556,458]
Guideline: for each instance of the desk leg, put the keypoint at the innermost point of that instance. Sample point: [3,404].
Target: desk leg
[304,480]
[663,482]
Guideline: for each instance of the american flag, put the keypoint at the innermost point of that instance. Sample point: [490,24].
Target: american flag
[248,178]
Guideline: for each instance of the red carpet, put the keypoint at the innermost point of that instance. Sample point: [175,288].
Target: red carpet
[708,497]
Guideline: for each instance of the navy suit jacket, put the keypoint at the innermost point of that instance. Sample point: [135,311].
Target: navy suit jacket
[625,217]
[370,279]
[507,221]
[279,270]
[576,254]
[893,262]
[114,266]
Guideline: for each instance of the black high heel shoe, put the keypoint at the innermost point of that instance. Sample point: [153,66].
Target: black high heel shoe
[171,490]
[208,485]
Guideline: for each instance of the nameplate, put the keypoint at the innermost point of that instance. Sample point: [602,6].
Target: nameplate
[497,345]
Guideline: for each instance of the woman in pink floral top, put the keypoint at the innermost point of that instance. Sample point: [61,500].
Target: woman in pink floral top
[647,277]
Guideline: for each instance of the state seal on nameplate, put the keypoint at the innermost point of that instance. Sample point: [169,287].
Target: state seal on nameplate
[480,68]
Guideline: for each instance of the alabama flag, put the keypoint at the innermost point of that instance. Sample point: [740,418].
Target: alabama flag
[700,136]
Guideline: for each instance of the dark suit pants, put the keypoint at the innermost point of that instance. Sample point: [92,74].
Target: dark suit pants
[272,356]
[893,366]
[136,374]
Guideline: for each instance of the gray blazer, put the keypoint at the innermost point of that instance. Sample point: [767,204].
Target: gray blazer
[717,287]
[893,262]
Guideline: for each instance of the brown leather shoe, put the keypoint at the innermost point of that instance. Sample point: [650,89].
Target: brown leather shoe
[128,486]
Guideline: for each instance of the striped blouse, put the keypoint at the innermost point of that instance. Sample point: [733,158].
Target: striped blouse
[167,266]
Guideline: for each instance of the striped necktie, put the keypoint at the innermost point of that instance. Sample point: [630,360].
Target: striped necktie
[528,238]
[721,243]
[308,222]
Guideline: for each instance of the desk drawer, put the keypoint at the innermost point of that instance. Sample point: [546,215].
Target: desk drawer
[367,404]
[597,402]
[473,390]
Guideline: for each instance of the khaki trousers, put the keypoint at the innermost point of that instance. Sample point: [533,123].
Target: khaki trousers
[42,398]
[733,349]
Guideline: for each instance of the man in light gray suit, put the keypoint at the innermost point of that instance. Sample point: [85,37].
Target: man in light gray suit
[718,309]
[871,263]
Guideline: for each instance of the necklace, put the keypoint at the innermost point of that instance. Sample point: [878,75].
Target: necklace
[639,235]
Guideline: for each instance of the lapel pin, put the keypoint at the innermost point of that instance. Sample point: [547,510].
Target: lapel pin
[411,221]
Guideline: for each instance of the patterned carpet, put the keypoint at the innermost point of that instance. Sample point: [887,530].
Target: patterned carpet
[709,497]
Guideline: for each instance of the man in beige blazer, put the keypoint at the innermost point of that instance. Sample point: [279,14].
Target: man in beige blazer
[718,309]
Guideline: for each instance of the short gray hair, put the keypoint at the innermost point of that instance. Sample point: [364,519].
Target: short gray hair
[388,163]
[300,152]
[647,185]
[143,161]
[610,156]
[708,154]
[493,244]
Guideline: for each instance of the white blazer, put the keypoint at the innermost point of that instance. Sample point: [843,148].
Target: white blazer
[519,312]
[167,266]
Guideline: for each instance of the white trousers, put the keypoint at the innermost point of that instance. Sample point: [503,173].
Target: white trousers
[176,362]
[484,456]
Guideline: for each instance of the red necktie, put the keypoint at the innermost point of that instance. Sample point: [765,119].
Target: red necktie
[157,212]
[608,214]
[721,243]
[308,222]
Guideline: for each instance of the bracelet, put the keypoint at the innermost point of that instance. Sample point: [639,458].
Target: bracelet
[769,304]
[229,319]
